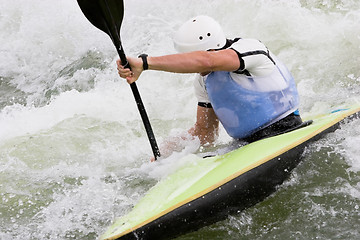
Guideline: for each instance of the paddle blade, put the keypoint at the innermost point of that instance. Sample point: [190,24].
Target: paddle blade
[107,15]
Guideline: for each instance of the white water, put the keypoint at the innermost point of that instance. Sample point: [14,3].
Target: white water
[73,152]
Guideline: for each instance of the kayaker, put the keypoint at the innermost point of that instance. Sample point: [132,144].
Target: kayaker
[240,83]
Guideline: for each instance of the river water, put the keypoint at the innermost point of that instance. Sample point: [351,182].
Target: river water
[73,151]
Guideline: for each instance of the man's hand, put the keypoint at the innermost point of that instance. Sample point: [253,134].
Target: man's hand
[133,74]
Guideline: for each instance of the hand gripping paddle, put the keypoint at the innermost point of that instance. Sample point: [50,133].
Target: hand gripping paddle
[107,15]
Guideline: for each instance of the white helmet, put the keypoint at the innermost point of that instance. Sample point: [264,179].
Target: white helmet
[199,33]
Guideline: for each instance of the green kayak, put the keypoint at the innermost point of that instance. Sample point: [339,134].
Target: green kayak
[208,189]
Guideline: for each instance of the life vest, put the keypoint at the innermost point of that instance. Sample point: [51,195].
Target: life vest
[245,109]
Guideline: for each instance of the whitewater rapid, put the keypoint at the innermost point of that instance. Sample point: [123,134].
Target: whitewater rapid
[73,151]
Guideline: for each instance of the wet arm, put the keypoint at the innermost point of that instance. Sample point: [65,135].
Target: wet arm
[206,127]
[196,62]
[192,62]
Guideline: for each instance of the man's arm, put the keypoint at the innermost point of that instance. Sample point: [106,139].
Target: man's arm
[192,62]
[196,62]
[206,127]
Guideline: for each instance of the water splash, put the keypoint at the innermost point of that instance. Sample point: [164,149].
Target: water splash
[73,151]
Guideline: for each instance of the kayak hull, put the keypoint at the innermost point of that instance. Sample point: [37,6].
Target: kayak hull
[222,185]
[240,193]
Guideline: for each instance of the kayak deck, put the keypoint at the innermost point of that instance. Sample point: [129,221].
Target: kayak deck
[208,189]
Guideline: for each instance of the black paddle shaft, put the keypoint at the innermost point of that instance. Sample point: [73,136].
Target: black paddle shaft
[107,15]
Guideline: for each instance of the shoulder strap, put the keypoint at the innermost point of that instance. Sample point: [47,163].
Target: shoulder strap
[242,69]
[228,43]
[257,52]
